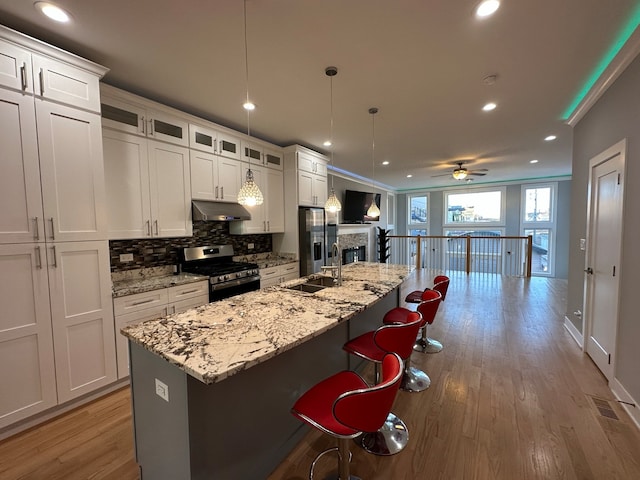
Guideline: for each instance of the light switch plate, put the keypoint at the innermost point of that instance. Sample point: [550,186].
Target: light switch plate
[250,246]
[583,244]
[126,257]
[162,390]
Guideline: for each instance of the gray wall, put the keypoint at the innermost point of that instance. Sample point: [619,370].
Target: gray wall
[614,117]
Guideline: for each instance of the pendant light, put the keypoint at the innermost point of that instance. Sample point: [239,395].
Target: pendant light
[374,211]
[249,194]
[332,204]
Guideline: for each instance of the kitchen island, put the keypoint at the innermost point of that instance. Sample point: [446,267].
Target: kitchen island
[212,387]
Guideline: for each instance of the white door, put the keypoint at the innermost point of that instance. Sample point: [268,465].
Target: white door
[306,196]
[203,175]
[170,188]
[72,173]
[126,168]
[602,272]
[21,215]
[27,373]
[82,317]
[320,190]
[15,67]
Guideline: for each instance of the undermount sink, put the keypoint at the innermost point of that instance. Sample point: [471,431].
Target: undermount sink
[306,287]
[324,281]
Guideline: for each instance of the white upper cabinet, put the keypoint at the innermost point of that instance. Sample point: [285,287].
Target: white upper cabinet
[15,67]
[148,187]
[72,173]
[212,141]
[312,180]
[257,154]
[127,115]
[214,178]
[20,181]
[170,190]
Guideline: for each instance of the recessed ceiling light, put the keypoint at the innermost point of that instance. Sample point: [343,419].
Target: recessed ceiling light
[386,162]
[550,138]
[54,12]
[409,176]
[249,105]
[533,161]
[489,106]
[327,143]
[487,7]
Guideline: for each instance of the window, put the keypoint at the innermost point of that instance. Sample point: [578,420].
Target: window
[391,211]
[538,221]
[418,208]
[484,207]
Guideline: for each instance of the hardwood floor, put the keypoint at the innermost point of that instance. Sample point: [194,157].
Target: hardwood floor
[512,397]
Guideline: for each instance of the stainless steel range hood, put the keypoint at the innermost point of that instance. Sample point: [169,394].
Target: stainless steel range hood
[219,211]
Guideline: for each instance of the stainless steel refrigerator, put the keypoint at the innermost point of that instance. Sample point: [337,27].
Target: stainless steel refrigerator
[312,239]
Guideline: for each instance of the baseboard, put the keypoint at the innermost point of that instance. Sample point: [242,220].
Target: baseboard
[621,394]
[39,418]
[575,333]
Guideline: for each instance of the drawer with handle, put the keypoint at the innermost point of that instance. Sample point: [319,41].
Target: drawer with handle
[140,301]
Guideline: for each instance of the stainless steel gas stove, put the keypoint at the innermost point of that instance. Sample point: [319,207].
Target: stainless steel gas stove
[226,277]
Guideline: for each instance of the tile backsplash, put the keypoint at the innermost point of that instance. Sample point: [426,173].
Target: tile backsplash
[156,252]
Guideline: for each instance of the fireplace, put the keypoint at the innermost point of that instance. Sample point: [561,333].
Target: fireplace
[353,254]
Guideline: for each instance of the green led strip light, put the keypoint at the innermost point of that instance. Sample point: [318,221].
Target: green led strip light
[622,38]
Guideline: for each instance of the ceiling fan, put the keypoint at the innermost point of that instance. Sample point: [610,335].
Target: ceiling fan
[460,172]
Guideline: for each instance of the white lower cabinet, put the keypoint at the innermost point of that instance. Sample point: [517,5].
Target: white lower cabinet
[82,317]
[27,372]
[56,331]
[140,307]
[276,275]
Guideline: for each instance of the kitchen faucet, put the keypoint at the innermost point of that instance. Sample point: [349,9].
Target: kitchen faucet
[336,263]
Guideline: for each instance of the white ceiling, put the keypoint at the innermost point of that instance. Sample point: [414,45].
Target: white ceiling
[421,62]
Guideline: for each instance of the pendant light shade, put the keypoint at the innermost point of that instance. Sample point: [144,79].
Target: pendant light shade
[249,194]
[373,211]
[332,204]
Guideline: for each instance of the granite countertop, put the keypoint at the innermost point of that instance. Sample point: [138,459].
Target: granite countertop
[217,340]
[266,260]
[131,286]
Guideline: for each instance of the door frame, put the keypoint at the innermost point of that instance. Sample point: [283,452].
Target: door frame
[618,149]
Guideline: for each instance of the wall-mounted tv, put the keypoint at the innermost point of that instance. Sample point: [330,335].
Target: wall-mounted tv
[356,204]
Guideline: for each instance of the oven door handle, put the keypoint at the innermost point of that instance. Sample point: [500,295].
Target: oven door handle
[234,283]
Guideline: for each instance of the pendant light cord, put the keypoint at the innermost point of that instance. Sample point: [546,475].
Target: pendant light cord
[373,111]
[246,68]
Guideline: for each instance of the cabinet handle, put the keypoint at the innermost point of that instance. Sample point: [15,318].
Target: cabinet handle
[53,230]
[41,75]
[135,304]
[216,192]
[222,193]
[23,76]
[36,233]
[189,291]
[156,224]
[268,226]
[151,127]
[141,128]
[215,145]
[264,226]
[55,260]
[148,222]
[38,258]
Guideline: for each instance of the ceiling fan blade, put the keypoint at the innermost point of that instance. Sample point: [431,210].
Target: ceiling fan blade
[480,170]
[442,175]
[477,174]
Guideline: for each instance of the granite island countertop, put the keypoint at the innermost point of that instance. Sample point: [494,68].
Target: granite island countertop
[217,340]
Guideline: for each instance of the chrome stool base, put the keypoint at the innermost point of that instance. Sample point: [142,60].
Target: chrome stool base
[414,380]
[427,346]
[391,438]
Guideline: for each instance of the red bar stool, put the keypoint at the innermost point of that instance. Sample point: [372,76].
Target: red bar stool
[397,337]
[345,406]
[440,283]
[428,307]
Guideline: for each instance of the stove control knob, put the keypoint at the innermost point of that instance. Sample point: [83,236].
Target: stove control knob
[239,275]
[220,278]
[227,277]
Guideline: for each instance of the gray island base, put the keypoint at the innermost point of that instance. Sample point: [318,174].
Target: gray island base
[231,370]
